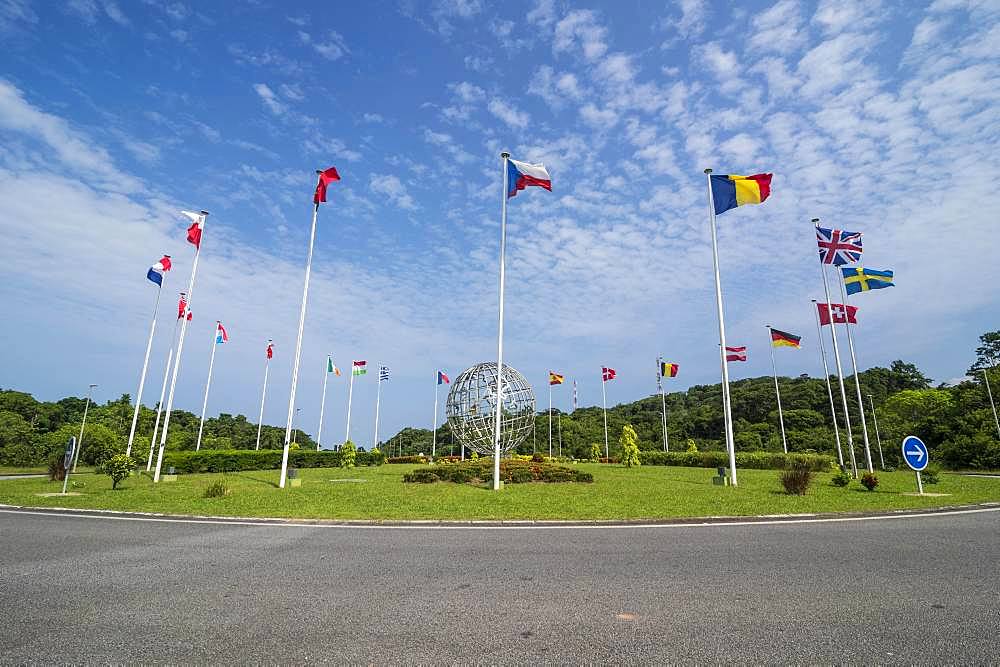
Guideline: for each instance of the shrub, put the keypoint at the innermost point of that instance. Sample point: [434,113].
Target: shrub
[796,479]
[595,452]
[376,457]
[118,467]
[57,468]
[930,475]
[841,478]
[869,480]
[629,443]
[750,460]
[537,457]
[218,489]
[512,472]
[407,459]
[348,455]
[691,446]
[475,455]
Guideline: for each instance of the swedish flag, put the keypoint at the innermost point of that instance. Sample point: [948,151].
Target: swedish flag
[859,279]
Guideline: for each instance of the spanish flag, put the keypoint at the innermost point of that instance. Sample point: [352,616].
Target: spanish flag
[668,370]
[784,339]
[555,378]
[730,190]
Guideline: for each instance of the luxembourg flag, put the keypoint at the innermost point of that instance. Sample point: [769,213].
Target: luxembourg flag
[155,273]
[197,225]
[221,336]
[522,174]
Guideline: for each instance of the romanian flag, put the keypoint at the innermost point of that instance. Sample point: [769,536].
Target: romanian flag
[730,190]
[784,339]
[668,370]
[858,279]
[555,378]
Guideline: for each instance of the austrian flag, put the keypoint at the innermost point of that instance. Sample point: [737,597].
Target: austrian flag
[736,353]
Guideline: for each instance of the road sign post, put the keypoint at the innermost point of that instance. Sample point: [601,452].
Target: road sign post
[916,456]
[68,460]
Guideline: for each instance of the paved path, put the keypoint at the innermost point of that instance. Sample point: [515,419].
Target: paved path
[910,590]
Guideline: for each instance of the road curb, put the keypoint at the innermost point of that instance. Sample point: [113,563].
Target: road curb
[764,519]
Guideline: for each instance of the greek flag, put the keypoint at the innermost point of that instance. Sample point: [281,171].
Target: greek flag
[383,373]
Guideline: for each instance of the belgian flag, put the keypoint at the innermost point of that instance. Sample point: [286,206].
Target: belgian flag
[668,370]
[783,339]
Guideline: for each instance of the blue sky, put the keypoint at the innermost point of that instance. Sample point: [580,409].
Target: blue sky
[875,116]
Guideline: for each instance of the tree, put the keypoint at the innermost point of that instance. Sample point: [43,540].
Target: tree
[348,454]
[987,354]
[595,452]
[118,467]
[629,443]
[15,440]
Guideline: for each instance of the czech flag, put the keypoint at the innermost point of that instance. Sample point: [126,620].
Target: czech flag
[522,174]
[222,337]
[196,228]
[155,273]
[442,378]
[736,353]
[730,190]
[608,373]
[668,370]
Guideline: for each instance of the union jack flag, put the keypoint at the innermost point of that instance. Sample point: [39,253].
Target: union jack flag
[838,247]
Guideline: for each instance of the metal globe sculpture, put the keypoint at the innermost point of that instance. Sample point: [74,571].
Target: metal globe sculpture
[471,408]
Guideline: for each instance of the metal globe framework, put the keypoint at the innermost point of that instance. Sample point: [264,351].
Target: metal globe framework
[471,408]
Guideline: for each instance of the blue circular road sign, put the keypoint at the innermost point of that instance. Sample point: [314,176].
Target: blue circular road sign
[915,453]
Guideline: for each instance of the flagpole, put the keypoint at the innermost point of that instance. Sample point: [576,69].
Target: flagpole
[503,250]
[663,401]
[159,405]
[263,394]
[298,348]
[992,404]
[177,357]
[836,357]
[208,384]
[83,425]
[878,438]
[434,431]
[829,387]
[322,403]
[350,396]
[777,391]
[145,366]
[559,422]
[604,405]
[378,401]
[726,404]
[857,380]
[550,416]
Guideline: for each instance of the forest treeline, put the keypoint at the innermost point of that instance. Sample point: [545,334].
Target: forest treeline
[956,422]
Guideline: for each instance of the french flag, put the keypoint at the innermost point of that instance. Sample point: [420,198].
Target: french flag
[155,273]
[522,174]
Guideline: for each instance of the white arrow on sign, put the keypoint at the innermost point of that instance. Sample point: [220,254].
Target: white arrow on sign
[918,452]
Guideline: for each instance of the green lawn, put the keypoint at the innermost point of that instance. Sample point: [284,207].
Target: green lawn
[648,492]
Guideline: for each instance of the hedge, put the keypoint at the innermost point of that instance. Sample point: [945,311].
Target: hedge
[511,472]
[235,460]
[750,460]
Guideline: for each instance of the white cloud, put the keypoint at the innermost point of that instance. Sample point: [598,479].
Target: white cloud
[580,28]
[555,89]
[508,114]
[598,118]
[543,14]
[269,99]
[447,142]
[333,47]
[373,118]
[90,10]
[61,141]
[836,16]
[15,14]
[392,188]
[481,64]
[467,92]
[779,28]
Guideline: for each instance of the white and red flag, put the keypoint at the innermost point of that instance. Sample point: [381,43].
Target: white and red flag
[842,314]
[196,228]
[736,353]
[608,373]
[270,349]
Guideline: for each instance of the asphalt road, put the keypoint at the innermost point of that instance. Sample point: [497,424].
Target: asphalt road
[93,590]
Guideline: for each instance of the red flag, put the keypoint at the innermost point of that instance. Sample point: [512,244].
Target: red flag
[182,305]
[841,314]
[270,349]
[325,178]
[608,373]
[736,353]
[197,225]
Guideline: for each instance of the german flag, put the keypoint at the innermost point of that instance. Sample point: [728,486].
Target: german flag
[555,378]
[783,339]
[668,370]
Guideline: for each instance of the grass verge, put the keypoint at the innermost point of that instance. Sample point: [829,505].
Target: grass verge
[648,492]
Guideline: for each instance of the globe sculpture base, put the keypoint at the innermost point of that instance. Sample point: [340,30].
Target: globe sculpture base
[471,408]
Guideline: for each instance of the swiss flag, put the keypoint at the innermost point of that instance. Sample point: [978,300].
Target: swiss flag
[842,314]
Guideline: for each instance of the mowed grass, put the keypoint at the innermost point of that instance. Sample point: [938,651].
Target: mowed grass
[648,492]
